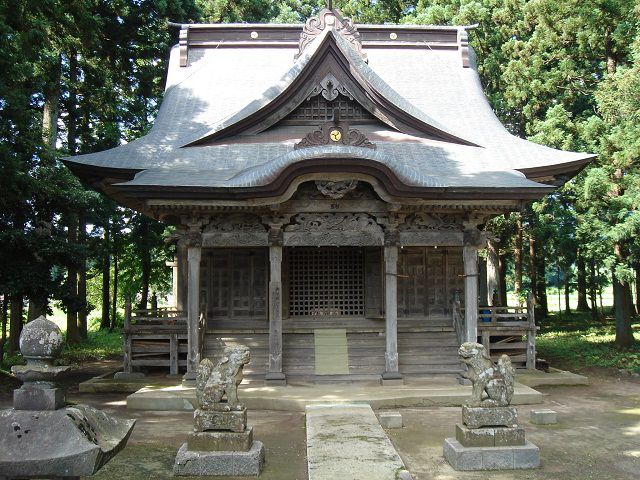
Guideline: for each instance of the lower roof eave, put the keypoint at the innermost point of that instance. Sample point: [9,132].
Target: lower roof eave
[140,192]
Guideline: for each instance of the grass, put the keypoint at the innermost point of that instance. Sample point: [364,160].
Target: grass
[575,342]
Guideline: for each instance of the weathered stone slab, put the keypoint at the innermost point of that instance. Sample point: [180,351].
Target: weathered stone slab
[234,420]
[347,442]
[390,419]
[221,441]
[491,458]
[33,397]
[544,417]
[489,437]
[199,463]
[477,417]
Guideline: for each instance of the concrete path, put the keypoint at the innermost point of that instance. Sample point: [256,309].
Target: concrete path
[346,441]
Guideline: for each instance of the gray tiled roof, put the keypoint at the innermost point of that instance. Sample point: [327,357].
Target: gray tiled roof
[221,86]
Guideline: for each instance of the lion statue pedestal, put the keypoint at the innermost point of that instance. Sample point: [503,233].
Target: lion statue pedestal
[489,437]
[221,442]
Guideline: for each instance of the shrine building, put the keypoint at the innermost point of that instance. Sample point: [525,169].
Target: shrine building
[329,184]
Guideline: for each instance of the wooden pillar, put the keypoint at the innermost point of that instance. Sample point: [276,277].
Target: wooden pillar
[181,280]
[531,334]
[470,258]
[194,254]
[493,274]
[274,373]
[391,374]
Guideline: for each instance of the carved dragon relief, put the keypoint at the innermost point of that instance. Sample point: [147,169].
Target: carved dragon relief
[421,221]
[336,190]
[346,222]
[241,222]
[330,17]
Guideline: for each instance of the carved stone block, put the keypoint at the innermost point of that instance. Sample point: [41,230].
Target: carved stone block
[221,441]
[234,420]
[477,417]
[489,437]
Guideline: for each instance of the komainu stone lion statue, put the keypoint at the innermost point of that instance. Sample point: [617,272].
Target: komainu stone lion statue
[496,381]
[213,383]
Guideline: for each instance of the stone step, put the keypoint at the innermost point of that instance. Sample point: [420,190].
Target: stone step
[346,441]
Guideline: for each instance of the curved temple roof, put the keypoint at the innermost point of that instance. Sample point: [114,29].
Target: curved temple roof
[219,129]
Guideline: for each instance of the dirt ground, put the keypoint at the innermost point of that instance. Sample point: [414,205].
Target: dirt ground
[597,437]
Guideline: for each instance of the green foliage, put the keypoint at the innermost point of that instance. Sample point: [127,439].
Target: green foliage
[581,343]
[99,345]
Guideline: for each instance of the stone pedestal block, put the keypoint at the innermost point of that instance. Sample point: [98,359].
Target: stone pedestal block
[33,397]
[199,463]
[491,458]
[477,417]
[544,417]
[390,420]
[221,441]
[234,420]
[489,437]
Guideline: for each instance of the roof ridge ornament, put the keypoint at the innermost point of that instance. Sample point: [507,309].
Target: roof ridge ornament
[329,17]
[335,132]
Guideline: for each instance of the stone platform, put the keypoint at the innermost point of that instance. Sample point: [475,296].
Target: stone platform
[445,392]
[491,457]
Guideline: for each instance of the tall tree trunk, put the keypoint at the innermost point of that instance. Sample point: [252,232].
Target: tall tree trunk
[114,301]
[583,306]
[51,108]
[533,265]
[3,318]
[50,113]
[567,278]
[637,269]
[82,281]
[15,323]
[106,277]
[517,258]
[622,303]
[541,283]
[72,286]
[502,283]
[145,266]
[593,290]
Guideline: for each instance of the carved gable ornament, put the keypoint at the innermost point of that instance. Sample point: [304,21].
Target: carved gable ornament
[330,87]
[336,133]
[329,17]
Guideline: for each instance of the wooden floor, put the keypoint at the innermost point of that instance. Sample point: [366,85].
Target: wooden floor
[425,347]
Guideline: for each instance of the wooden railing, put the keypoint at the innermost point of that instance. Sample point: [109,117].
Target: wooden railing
[155,338]
[510,330]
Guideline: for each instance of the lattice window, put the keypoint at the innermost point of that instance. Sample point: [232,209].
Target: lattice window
[326,282]
[318,110]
